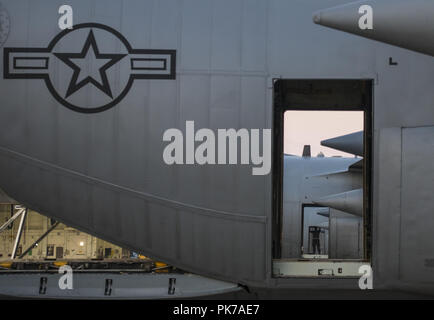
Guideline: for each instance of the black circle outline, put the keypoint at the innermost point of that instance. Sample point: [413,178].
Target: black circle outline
[2,7]
[114,102]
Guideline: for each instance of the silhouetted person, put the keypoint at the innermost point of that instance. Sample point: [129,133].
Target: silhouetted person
[316,231]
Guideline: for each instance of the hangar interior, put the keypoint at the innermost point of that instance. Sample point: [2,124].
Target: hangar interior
[42,258]
[38,242]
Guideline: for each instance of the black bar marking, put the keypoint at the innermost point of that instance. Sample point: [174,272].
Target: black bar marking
[17,67]
[148,68]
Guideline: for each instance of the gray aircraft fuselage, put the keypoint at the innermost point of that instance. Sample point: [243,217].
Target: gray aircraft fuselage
[88,151]
[305,180]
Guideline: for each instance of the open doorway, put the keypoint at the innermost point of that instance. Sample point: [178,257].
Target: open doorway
[321,177]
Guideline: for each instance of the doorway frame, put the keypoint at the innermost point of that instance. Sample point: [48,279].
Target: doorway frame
[320,95]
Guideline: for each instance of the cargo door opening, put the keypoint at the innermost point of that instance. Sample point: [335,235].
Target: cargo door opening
[321,177]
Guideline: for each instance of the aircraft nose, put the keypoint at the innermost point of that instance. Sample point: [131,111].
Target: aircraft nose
[404,23]
[317,17]
[343,17]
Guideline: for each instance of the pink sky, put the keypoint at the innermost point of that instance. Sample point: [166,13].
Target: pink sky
[310,127]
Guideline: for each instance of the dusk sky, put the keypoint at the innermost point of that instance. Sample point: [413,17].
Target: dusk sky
[311,127]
